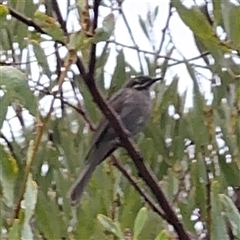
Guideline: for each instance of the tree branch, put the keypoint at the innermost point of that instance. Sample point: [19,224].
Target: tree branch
[60,19]
[92,60]
[164,31]
[147,198]
[27,21]
[130,33]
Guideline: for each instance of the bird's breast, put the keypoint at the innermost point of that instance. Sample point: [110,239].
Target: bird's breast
[137,111]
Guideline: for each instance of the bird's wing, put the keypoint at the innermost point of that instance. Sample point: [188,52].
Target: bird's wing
[117,103]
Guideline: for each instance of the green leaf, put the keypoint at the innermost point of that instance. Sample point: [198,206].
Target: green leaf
[119,75]
[163,235]
[232,214]
[3,14]
[4,103]
[105,32]
[110,226]
[50,26]
[109,23]
[14,231]
[49,218]
[9,172]
[15,86]
[200,191]
[198,23]
[231,13]
[217,11]
[79,41]
[139,222]
[218,230]
[144,27]
[41,57]
[28,205]
[196,117]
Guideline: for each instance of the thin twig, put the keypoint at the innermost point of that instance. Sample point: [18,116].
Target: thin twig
[40,130]
[77,109]
[9,145]
[131,34]
[164,32]
[177,61]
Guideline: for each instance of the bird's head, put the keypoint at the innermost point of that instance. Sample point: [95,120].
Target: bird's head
[141,82]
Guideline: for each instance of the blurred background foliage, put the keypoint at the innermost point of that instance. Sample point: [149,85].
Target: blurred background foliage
[194,151]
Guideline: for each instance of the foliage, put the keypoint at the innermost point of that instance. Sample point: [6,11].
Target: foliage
[194,152]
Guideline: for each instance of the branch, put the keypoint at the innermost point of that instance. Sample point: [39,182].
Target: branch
[9,145]
[147,198]
[177,61]
[77,109]
[130,33]
[92,61]
[37,141]
[60,19]
[27,21]
[164,31]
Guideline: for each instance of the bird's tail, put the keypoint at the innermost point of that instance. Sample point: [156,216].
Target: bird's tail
[77,189]
[94,158]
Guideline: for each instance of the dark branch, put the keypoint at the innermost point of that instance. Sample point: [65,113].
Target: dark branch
[60,19]
[130,33]
[92,61]
[147,198]
[27,21]
[164,30]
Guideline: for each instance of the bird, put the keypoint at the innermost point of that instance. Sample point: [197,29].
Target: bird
[133,105]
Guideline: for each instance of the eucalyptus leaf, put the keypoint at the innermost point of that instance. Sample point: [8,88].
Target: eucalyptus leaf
[140,221]
[110,226]
[15,86]
[9,173]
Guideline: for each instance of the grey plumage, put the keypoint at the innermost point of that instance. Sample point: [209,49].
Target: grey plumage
[133,104]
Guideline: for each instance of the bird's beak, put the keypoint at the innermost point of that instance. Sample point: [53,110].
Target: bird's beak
[153,80]
[156,79]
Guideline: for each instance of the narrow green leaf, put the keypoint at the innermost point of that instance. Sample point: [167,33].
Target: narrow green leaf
[48,218]
[119,75]
[79,41]
[139,222]
[143,26]
[218,228]
[4,103]
[9,172]
[217,11]
[163,235]
[200,191]
[14,231]
[41,57]
[104,33]
[50,26]
[110,226]
[231,15]
[3,14]
[15,86]
[232,214]
[28,206]
[198,23]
